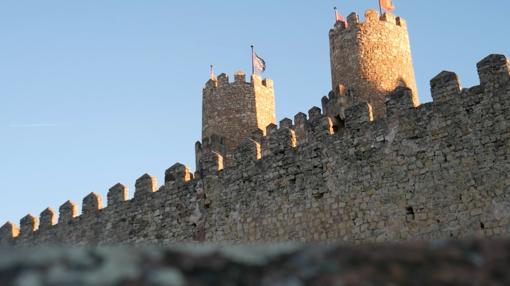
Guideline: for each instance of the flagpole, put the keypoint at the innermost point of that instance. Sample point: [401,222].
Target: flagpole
[334,8]
[252,65]
[380,8]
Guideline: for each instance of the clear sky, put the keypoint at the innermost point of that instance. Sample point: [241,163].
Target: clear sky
[96,92]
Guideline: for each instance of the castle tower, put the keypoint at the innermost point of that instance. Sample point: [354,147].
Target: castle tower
[232,111]
[371,58]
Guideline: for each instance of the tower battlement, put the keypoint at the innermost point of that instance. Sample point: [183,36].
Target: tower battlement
[372,17]
[239,78]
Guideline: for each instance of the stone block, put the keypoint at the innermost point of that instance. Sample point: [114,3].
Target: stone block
[28,225]
[145,185]
[286,123]
[91,204]
[117,194]
[358,115]
[314,113]
[445,86]
[400,100]
[210,164]
[47,219]
[247,152]
[494,71]
[178,173]
[67,212]
[271,128]
[7,232]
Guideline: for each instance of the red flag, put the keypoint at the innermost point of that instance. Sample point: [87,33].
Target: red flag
[387,5]
[339,17]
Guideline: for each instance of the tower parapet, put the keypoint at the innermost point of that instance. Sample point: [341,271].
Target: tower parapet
[372,58]
[233,110]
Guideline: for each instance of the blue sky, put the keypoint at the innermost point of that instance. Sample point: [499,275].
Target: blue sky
[97,92]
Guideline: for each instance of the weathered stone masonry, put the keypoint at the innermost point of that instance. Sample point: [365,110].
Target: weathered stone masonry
[433,171]
[439,170]
[372,58]
[232,110]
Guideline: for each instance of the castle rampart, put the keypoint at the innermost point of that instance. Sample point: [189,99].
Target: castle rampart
[433,171]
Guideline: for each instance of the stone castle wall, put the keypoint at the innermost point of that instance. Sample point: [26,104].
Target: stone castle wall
[439,170]
[232,110]
[372,58]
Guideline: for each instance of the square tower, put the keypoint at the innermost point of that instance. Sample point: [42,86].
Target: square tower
[232,111]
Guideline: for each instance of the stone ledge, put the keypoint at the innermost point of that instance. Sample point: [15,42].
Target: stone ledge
[432,263]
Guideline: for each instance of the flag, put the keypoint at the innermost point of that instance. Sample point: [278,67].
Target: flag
[339,17]
[259,65]
[387,5]
[213,76]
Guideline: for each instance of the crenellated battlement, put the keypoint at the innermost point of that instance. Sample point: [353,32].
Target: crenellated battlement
[372,17]
[178,178]
[222,81]
[445,87]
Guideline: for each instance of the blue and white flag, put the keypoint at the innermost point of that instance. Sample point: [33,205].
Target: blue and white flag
[259,65]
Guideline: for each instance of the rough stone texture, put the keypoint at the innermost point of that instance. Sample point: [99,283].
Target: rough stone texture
[47,219]
[371,58]
[8,232]
[232,110]
[67,212]
[444,86]
[437,263]
[28,225]
[178,174]
[493,71]
[145,185]
[92,204]
[436,171]
[117,194]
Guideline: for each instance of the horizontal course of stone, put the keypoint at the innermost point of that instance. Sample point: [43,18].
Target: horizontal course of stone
[439,170]
[435,263]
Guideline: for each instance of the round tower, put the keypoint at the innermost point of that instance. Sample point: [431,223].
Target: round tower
[232,111]
[372,58]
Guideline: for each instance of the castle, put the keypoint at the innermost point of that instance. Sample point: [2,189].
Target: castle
[371,165]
